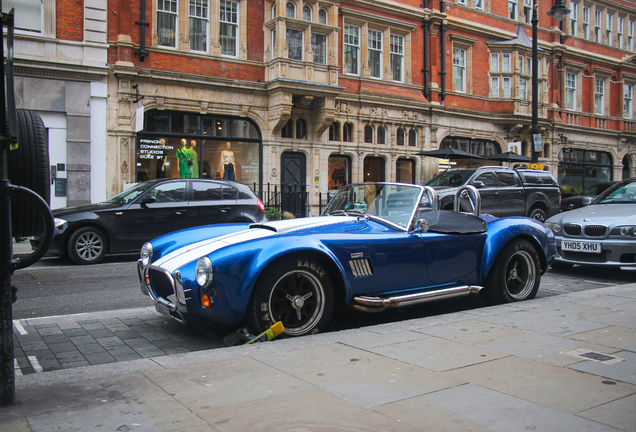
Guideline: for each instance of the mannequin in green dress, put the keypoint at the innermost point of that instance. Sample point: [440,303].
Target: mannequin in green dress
[183,155]
[194,168]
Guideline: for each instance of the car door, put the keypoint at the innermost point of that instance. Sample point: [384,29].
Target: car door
[160,210]
[511,194]
[212,203]
[488,187]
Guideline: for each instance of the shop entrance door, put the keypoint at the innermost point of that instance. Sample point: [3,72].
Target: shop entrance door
[293,184]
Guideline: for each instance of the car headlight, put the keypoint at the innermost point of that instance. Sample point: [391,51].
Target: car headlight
[204,271]
[627,231]
[59,222]
[555,227]
[146,254]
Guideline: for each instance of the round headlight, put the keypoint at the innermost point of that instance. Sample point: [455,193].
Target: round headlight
[555,227]
[146,254]
[204,271]
[628,231]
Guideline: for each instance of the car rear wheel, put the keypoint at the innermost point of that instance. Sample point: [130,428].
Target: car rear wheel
[516,274]
[296,291]
[87,246]
[538,214]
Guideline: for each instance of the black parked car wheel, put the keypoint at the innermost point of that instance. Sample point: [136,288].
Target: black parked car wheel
[538,214]
[298,292]
[87,245]
[516,274]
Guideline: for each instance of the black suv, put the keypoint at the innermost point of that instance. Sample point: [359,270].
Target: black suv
[504,191]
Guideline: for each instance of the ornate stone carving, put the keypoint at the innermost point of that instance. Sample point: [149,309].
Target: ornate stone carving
[378,112]
[274,172]
[279,116]
[344,108]
[316,172]
[323,121]
[124,166]
[124,142]
[409,115]
[304,102]
[160,103]
[274,149]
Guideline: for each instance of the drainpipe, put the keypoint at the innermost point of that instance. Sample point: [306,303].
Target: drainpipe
[142,31]
[426,69]
[442,30]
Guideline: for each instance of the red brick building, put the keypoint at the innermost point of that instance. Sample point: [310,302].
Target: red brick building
[321,93]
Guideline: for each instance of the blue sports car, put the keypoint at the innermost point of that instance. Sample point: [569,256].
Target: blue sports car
[377,246]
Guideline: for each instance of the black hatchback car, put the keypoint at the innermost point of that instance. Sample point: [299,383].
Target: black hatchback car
[149,209]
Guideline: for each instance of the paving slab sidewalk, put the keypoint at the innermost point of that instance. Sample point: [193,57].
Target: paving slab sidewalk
[564,363]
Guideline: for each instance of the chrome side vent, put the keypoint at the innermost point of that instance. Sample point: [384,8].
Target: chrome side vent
[361,267]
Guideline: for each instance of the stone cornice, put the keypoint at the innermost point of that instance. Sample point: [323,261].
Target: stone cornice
[59,70]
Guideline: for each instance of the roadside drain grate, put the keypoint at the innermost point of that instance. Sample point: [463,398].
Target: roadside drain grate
[22,277]
[585,354]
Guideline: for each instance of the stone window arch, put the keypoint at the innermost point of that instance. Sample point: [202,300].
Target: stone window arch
[400,136]
[368,134]
[334,131]
[290,10]
[347,132]
[381,135]
[413,138]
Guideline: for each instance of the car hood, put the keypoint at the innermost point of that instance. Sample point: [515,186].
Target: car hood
[86,208]
[182,256]
[606,214]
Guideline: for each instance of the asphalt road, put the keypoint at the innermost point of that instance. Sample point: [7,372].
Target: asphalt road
[54,287]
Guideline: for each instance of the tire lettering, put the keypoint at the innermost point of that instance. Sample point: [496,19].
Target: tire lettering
[264,307]
[319,271]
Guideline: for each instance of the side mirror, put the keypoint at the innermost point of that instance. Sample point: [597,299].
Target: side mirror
[421,226]
[148,200]
[479,184]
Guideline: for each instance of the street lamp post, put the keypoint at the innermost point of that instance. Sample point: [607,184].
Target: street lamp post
[558,12]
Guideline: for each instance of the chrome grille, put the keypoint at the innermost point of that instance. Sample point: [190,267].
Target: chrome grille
[572,229]
[361,267]
[595,230]
[161,283]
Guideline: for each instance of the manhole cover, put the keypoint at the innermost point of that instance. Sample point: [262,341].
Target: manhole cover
[22,277]
[585,354]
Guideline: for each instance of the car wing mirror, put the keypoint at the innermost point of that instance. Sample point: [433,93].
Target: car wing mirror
[479,184]
[421,226]
[148,200]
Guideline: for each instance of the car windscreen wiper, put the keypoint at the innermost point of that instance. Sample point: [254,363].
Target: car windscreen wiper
[346,213]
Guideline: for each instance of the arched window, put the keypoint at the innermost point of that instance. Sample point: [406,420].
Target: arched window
[307,13]
[368,134]
[381,135]
[412,138]
[347,132]
[291,10]
[322,16]
[286,131]
[274,11]
[334,131]
[301,129]
[400,136]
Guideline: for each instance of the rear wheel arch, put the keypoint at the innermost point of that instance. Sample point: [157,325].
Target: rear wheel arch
[538,205]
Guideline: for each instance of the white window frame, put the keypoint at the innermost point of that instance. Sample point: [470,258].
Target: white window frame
[513,9]
[461,2]
[574,18]
[529,65]
[527,10]
[506,65]
[307,8]
[494,87]
[597,26]
[223,14]
[24,17]
[599,96]
[521,64]
[630,35]
[506,87]
[323,12]
[494,62]
[352,42]
[479,4]
[523,89]
[302,40]
[290,12]
[396,49]
[586,22]
[459,69]
[571,90]
[161,9]
[375,44]
[201,13]
[609,27]
[620,32]
[628,101]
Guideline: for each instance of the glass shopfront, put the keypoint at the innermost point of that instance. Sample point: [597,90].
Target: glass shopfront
[339,171]
[186,145]
[579,169]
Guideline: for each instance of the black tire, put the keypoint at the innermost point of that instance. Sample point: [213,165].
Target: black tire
[28,166]
[87,245]
[515,275]
[538,214]
[561,265]
[296,291]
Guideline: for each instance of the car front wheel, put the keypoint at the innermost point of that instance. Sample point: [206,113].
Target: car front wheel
[516,274]
[87,246]
[296,291]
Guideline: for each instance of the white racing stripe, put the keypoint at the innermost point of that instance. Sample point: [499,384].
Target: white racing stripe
[19,327]
[35,364]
